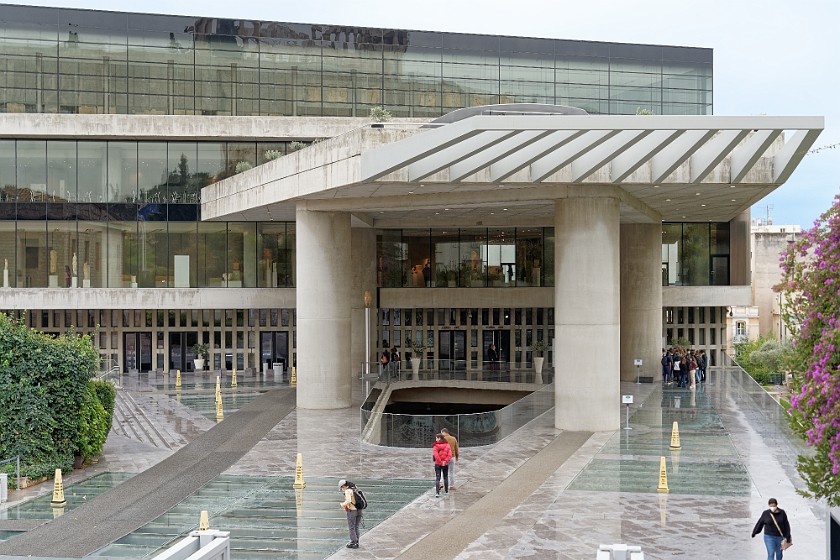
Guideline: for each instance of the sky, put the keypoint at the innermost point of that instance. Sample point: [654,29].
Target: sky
[771,57]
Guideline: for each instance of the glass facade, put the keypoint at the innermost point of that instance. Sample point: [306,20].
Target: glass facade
[80,61]
[465,258]
[695,254]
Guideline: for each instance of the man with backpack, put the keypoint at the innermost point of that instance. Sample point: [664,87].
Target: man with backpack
[354,503]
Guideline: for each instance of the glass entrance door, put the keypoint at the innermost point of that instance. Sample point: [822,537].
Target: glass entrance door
[137,352]
[181,354]
[497,357]
[452,350]
[274,348]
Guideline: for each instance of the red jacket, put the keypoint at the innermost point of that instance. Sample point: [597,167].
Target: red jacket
[441,452]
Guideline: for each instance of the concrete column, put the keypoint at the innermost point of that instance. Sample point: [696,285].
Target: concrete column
[324,280]
[641,300]
[586,264]
[363,252]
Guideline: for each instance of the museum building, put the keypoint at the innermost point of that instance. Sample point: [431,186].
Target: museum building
[167,180]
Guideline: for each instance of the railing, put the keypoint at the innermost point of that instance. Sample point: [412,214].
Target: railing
[113,375]
[200,545]
[16,459]
[445,369]
[775,427]
[483,428]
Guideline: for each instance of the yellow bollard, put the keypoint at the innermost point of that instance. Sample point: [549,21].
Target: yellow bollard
[663,477]
[58,490]
[299,483]
[204,521]
[178,379]
[293,379]
[233,378]
[675,437]
[220,413]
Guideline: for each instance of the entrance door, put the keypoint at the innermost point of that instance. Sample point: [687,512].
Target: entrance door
[501,339]
[137,352]
[274,348]
[181,354]
[452,350]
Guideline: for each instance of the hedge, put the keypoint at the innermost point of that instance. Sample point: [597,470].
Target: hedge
[43,388]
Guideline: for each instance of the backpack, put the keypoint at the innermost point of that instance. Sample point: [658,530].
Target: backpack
[359,499]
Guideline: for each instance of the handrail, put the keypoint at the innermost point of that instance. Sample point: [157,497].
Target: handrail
[16,458]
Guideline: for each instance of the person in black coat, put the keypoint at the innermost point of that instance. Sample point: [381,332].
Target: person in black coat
[774,521]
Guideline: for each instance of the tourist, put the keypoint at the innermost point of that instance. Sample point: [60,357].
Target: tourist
[774,521]
[353,515]
[453,445]
[442,454]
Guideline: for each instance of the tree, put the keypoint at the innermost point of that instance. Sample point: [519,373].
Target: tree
[811,287]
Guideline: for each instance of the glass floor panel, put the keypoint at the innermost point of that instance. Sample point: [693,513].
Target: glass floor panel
[76,494]
[267,518]
[706,464]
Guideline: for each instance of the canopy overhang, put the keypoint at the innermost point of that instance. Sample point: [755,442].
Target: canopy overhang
[507,169]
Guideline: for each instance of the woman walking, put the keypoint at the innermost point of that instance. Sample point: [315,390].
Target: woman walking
[774,521]
[442,454]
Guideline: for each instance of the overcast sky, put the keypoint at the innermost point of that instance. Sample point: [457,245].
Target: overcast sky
[773,57]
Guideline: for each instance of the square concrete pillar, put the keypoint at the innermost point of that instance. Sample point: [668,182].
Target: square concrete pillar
[641,300]
[324,283]
[586,267]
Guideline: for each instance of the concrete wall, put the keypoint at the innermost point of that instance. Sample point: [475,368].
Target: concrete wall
[705,296]
[739,250]
[766,248]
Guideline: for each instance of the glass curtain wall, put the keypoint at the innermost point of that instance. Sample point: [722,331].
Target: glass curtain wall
[695,254]
[57,60]
[467,258]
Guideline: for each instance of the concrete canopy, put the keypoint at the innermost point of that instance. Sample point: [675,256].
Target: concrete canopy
[507,169]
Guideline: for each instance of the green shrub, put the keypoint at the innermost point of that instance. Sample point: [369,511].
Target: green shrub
[93,425]
[43,384]
[107,396]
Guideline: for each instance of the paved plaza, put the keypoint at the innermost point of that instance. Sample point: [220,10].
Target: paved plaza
[539,493]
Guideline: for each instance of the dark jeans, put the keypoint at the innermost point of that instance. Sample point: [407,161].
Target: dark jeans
[438,470]
[353,516]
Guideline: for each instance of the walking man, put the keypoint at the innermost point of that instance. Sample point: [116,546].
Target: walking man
[453,444]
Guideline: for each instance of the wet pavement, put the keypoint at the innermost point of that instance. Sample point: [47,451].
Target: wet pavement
[736,452]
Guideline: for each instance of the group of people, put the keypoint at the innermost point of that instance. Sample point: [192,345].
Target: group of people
[687,368]
[444,450]
[389,361]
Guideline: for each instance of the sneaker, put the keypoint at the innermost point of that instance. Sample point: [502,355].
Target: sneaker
[437,495]
[447,492]
[351,545]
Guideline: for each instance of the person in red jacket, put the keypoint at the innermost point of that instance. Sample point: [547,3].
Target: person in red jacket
[442,454]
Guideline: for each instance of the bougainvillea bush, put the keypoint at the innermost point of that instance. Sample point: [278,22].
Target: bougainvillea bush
[811,286]
[45,398]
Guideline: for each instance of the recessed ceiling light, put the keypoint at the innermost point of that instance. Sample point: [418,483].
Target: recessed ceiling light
[655,186]
[492,213]
[410,192]
[697,193]
[702,205]
[667,200]
[683,217]
[437,213]
[381,212]
[733,200]
[446,209]
[505,209]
